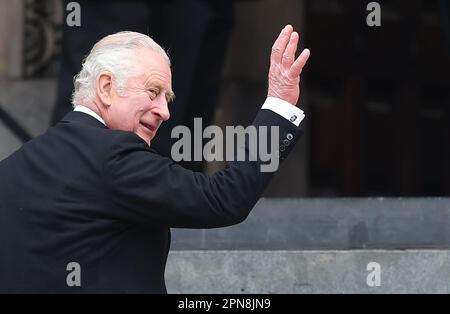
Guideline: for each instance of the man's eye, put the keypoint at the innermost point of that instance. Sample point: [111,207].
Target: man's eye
[154,92]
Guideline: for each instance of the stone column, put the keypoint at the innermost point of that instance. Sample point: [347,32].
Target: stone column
[11,38]
[244,85]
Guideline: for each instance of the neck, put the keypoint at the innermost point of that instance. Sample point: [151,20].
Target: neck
[93,106]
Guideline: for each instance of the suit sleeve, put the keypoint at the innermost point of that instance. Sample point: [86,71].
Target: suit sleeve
[149,189]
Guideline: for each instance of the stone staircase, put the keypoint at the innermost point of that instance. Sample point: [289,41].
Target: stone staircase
[319,245]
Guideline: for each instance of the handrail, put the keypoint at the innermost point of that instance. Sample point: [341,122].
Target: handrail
[14,126]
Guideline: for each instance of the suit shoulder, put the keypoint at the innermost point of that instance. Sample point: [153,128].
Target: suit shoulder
[124,138]
[123,143]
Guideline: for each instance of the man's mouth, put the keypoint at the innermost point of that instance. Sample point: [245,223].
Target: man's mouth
[148,127]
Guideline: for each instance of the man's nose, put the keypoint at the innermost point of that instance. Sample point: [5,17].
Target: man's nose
[162,110]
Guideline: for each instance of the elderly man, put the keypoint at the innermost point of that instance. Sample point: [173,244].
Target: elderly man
[87,206]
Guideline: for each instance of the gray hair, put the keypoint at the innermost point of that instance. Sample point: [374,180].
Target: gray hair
[114,53]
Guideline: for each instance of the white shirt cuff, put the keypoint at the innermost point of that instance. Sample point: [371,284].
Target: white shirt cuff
[284,109]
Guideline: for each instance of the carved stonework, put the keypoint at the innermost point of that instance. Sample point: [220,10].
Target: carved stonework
[42,36]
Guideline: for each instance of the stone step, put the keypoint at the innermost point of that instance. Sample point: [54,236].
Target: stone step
[330,223]
[355,271]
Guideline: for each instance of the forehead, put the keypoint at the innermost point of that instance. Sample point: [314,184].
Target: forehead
[154,67]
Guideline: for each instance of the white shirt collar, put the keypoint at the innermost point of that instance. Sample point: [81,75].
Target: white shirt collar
[90,112]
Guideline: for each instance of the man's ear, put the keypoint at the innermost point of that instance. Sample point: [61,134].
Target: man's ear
[104,87]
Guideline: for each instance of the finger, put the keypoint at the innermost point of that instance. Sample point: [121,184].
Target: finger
[289,54]
[279,46]
[298,65]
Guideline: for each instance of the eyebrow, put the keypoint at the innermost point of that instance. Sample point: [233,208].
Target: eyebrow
[170,96]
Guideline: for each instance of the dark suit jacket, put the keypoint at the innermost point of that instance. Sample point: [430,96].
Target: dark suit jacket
[102,198]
